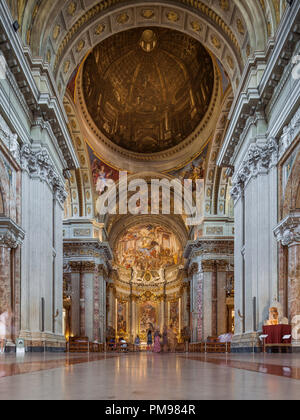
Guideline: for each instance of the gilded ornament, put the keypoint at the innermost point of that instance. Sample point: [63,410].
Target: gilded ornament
[72,8]
[56,32]
[224,4]
[48,57]
[99,29]
[196,26]
[240,27]
[173,16]
[80,45]
[230,62]
[216,42]
[122,19]
[148,14]
[67,67]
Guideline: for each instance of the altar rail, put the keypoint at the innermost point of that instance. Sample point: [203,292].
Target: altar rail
[210,348]
[82,345]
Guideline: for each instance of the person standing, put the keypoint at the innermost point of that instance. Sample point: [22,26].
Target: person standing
[165,340]
[137,343]
[157,346]
[149,340]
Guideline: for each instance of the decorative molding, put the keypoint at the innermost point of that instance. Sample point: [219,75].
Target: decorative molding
[9,139]
[11,235]
[83,249]
[24,74]
[38,165]
[259,160]
[290,133]
[206,248]
[261,95]
[288,231]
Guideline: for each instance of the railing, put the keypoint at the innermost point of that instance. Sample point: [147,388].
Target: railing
[210,347]
[82,345]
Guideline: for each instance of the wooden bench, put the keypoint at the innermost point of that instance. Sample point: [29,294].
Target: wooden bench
[82,345]
[79,345]
[216,347]
[278,348]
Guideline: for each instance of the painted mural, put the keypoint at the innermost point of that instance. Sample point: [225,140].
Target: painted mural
[194,170]
[148,318]
[148,248]
[101,173]
[174,315]
[121,318]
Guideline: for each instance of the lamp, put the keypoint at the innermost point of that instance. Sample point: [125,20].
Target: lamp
[16,26]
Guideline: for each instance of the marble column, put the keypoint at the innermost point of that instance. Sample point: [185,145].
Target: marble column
[96,306]
[214,299]
[11,236]
[43,195]
[75,268]
[288,233]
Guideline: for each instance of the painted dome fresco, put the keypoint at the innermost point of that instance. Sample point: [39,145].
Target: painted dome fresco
[147,90]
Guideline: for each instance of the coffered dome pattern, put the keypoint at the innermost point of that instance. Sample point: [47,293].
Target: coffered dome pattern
[147,90]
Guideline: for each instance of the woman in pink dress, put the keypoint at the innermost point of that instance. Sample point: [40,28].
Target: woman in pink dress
[157,346]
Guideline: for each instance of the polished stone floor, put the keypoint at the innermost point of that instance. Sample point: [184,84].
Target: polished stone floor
[150,377]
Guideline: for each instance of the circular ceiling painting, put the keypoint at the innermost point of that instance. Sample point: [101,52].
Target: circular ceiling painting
[148,90]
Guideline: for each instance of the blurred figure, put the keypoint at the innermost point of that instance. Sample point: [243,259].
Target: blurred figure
[157,346]
[149,340]
[137,343]
[172,339]
[165,340]
[4,322]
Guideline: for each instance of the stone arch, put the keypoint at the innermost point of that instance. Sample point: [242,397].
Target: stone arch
[108,219]
[174,224]
[214,177]
[36,18]
[80,184]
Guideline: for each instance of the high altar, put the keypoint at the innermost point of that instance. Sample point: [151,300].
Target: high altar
[148,288]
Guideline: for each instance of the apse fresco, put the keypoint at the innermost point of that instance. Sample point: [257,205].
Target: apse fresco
[148,90]
[148,248]
[101,173]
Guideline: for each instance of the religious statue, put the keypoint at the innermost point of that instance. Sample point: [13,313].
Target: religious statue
[273,317]
[276,315]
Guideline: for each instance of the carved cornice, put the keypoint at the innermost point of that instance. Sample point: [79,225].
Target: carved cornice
[87,248]
[205,247]
[24,74]
[11,235]
[261,95]
[38,165]
[288,231]
[259,160]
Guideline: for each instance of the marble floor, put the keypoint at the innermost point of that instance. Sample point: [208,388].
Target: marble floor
[150,377]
